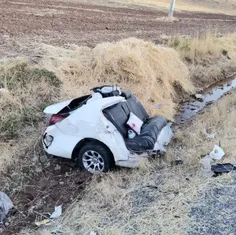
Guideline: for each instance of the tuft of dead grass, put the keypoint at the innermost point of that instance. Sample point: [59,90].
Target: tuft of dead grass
[208,58]
[153,73]
[29,90]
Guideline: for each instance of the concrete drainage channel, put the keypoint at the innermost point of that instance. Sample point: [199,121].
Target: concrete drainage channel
[211,95]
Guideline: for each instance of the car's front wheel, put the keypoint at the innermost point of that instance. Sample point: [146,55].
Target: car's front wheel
[95,157]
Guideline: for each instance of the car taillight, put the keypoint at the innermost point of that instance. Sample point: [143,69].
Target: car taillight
[57,118]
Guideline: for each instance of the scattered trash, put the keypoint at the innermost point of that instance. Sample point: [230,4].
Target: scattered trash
[157,106]
[43,222]
[5,36]
[5,205]
[57,212]
[199,97]
[57,168]
[217,153]
[4,90]
[177,162]
[94,233]
[206,166]
[209,135]
[219,169]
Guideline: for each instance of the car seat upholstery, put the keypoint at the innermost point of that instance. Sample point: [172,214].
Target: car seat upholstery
[149,133]
[118,114]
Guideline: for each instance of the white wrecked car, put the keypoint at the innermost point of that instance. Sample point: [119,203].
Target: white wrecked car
[106,128]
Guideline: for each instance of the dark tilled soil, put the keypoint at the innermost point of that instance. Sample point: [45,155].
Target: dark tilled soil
[59,23]
[38,188]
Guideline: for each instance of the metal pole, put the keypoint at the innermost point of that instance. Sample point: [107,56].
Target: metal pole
[172,7]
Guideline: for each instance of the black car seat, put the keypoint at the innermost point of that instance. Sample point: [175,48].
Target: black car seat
[118,114]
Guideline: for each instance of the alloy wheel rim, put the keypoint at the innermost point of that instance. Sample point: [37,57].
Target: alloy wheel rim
[93,161]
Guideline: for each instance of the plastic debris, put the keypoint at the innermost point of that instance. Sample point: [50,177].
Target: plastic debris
[5,205]
[94,233]
[219,169]
[57,212]
[209,135]
[199,97]
[157,106]
[217,153]
[206,166]
[43,222]
[4,90]
[57,168]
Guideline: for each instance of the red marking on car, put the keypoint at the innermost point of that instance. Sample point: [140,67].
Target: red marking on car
[57,118]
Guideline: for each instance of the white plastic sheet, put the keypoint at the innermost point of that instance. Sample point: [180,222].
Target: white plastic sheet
[5,205]
[217,153]
[57,212]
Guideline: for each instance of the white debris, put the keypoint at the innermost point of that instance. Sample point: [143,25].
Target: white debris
[199,96]
[206,166]
[57,212]
[209,135]
[217,153]
[43,222]
[157,106]
[5,205]
[94,233]
[4,90]
[57,168]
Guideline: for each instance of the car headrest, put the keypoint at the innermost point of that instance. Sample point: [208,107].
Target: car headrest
[126,94]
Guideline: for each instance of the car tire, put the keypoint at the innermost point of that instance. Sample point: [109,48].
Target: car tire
[95,157]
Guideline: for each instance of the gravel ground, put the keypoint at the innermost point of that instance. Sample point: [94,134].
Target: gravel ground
[214,213]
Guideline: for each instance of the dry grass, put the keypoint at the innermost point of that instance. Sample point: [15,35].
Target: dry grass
[155,199]
[153,73]
[208,58]
[213,6]
[29,89]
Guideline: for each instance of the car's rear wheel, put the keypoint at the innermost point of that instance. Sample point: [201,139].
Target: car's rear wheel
[95,157]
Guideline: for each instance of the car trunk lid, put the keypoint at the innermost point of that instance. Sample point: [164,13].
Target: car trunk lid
[56,108]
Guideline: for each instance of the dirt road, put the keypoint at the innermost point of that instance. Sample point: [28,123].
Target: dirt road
[56,22]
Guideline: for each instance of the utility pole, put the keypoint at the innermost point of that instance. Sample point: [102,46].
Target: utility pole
[172,7]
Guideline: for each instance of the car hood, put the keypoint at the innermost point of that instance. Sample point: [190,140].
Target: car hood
[56,108]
